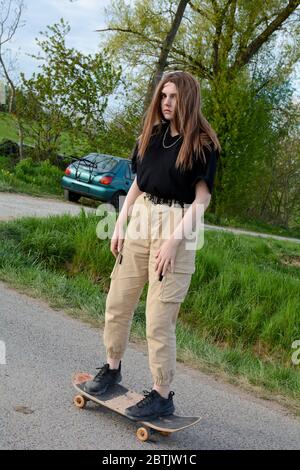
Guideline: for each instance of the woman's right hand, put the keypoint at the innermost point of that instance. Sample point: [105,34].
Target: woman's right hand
[117,240]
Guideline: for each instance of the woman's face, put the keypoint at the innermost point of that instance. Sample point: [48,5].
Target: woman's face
[168,100]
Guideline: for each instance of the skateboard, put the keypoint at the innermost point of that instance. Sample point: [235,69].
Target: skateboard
[117,398]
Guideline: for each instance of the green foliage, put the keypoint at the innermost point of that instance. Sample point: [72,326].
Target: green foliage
[8,128]
[30,176]
[247,97]
[69,93]
[30,171]
[121,132]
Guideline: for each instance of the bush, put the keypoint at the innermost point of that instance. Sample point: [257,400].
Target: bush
[41,174]
[5,163]
[29,176]
[9,148]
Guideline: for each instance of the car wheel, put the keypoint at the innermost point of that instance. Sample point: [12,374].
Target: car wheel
[70,196]
[115,199]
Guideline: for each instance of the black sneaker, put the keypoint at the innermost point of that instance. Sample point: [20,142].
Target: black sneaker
[152,406]
[103,379]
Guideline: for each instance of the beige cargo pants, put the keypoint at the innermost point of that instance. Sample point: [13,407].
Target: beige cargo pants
[147,229]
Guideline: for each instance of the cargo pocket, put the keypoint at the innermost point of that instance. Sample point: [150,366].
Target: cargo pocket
[185,261]
[128,265]
[174,286]
[118,261]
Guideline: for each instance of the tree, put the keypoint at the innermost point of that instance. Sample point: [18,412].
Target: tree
[10,20]
[213,35]
[69,93]
[164,51]
[281,199]
[223,43]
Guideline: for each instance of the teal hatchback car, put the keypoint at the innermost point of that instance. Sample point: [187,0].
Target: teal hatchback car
[98,176]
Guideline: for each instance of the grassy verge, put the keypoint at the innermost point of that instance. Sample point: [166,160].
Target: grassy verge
[28,177]
[35,179]
[238,321]
[8,128]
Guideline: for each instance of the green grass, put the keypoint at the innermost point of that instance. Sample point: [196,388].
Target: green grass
[239,319]
[7,127]
[35,178]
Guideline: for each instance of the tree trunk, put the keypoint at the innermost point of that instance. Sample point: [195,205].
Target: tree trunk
[165,50]
[21,138]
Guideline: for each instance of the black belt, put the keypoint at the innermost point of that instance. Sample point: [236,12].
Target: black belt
[161,200]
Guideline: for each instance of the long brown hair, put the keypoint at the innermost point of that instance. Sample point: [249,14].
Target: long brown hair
[188,119]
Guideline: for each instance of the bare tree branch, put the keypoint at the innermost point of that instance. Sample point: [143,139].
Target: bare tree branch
[155,42]
[201,12]
[230,23]
[206,73]
[12,29]
[245,54]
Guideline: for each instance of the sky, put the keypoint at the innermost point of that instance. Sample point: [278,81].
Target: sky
[84,16]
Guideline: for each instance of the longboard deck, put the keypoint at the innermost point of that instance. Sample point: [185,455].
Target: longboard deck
[118,398]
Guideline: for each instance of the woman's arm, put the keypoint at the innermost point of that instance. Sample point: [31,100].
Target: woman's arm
[192,217]
[117,239]
[126,210]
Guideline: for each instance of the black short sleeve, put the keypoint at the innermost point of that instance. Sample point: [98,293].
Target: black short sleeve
[134,158]
[206,171]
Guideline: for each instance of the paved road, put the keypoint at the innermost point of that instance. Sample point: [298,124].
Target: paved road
[13,206]
[44,347]
[252,234]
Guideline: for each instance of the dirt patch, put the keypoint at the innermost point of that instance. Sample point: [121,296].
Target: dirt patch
[291,261]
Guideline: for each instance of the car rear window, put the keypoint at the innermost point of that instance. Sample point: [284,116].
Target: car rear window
[100,162]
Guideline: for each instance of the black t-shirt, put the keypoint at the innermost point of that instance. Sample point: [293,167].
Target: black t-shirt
[157,175]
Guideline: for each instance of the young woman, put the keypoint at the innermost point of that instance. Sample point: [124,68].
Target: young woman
[175,159]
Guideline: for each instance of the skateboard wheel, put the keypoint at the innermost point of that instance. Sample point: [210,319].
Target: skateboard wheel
[79,401]
[142,434]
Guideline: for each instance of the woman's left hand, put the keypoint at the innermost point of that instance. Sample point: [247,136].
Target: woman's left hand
[165,257]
